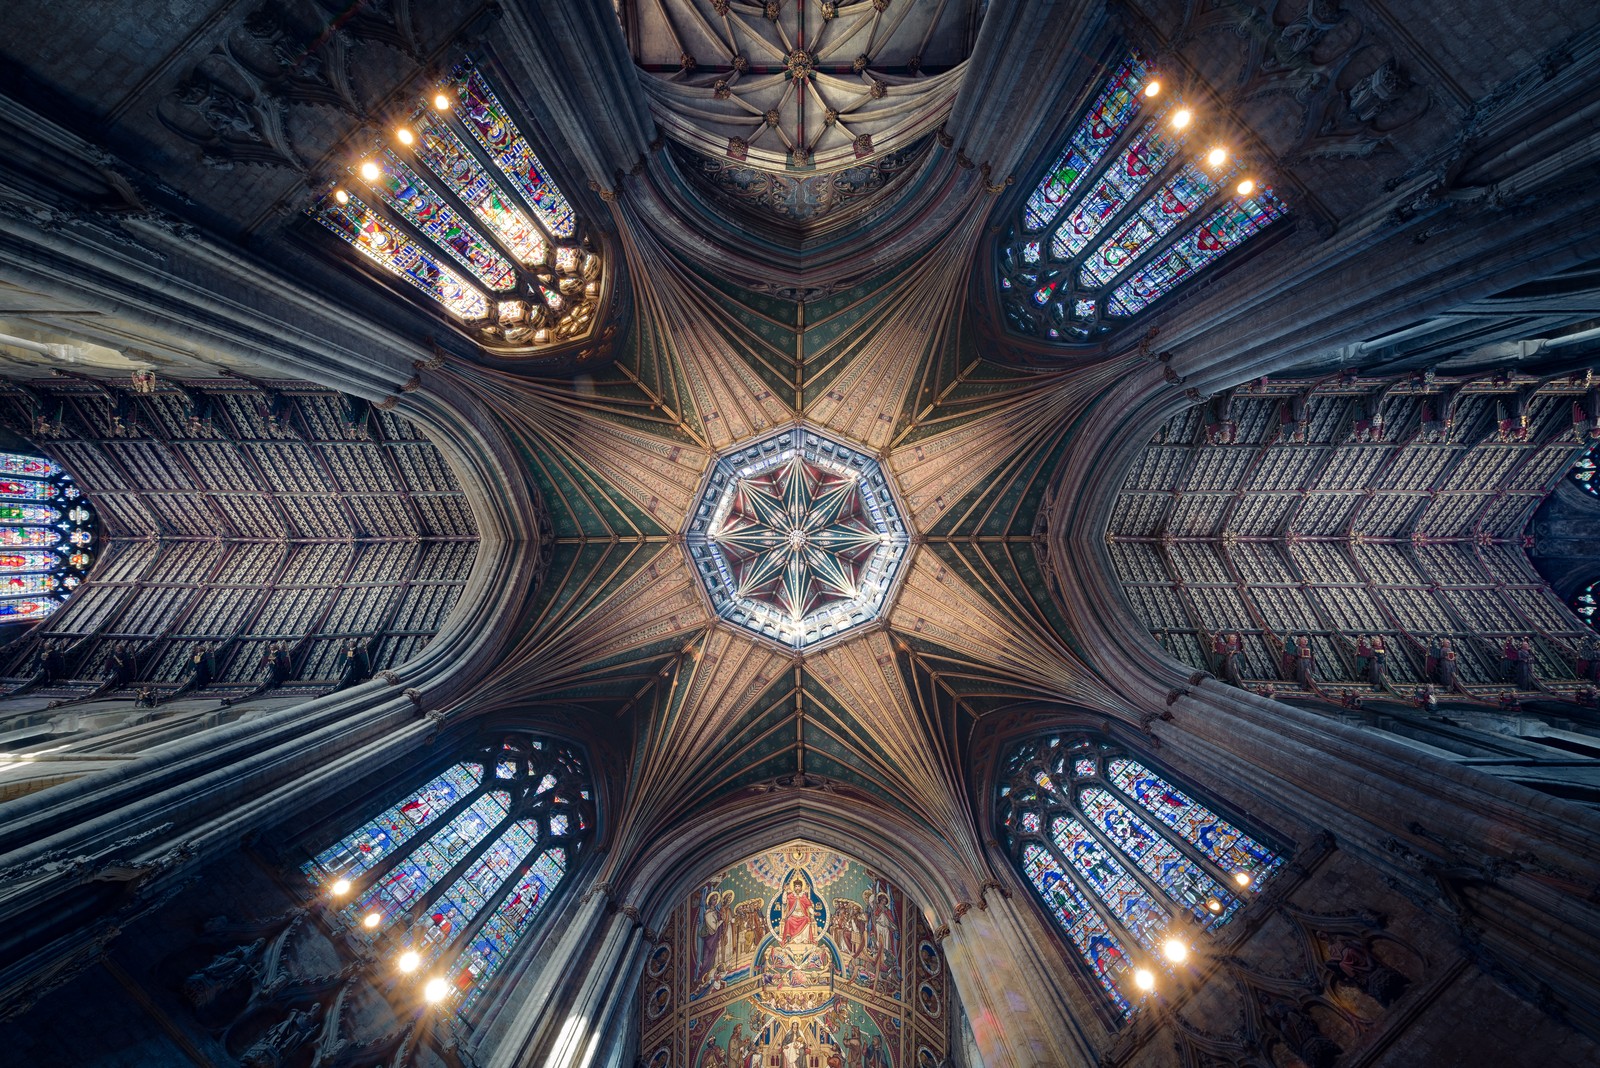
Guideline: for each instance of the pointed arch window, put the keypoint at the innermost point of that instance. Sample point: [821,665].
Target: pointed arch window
[457,871]
[48,537]
[456,204]
[1122,858]
[1148,192]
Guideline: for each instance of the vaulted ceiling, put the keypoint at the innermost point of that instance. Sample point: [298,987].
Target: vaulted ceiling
[876,325]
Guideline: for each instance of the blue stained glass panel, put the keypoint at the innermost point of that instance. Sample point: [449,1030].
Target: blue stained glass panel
[408,883]
[1145,919]
[1090,934]
[402,189]
[1107,118]
[1223,230]
[493,943]
[369,844]
[28,560]
[27,513]
[1182,880]
[444,154]
[454,909]
[392,250]
[29,536]
[1586,473]
[1230,848]
[489,122]
[1184,194]
[14,611]
[1144,157]
[27,489]
[12,463]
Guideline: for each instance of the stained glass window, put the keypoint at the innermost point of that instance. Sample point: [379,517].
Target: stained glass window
[1586,472]
[1121,858]
[1586,602]
[456,203]
[456,871]
[49,537]
[1135,205]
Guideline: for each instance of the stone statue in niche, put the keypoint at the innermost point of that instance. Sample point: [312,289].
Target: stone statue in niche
[1297,1030]
[1351,962]
[227,970]
[284,1038]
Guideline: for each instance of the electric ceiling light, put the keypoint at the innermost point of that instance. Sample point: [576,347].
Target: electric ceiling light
[370,171]
[441,101]
[436,989]
[340,887]
[371,920]
[1246,187]
[1144,980]
[404,136]
[1242,878]
[341,196]
[1181,118]
[409,960]
[1175,951]
[1153,89]
[1217,157]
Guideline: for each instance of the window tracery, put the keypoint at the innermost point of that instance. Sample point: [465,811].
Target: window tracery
[450,877]
[1586,472]
[1142,198]
[459,206]
[48,537]
[1122,859]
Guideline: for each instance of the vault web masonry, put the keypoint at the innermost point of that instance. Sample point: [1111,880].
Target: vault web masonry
[798,538]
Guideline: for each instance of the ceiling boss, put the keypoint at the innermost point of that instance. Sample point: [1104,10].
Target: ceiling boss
[798,538]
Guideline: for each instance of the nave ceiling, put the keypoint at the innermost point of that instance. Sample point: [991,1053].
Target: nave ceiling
[875,323]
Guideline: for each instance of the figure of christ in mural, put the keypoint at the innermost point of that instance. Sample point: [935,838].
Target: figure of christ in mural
[799,917]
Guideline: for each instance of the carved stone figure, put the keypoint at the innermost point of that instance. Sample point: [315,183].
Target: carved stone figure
[284,1038]
[227,970]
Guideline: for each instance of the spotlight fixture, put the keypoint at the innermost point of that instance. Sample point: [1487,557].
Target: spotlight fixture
[371,920]
[1217,157]
[370,171]
[341,887]
[1246,187]
[1181,118]
[409,960]
[404,136]
[436,989]
[1144,979]
[1153,89]
[1175,951]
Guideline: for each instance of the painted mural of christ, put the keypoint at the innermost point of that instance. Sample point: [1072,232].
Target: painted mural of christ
[799,922]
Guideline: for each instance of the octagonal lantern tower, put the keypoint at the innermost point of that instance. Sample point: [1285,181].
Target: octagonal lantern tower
[798,538]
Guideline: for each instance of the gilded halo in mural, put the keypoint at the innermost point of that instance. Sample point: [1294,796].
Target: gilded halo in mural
[798,537]
[796,958]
